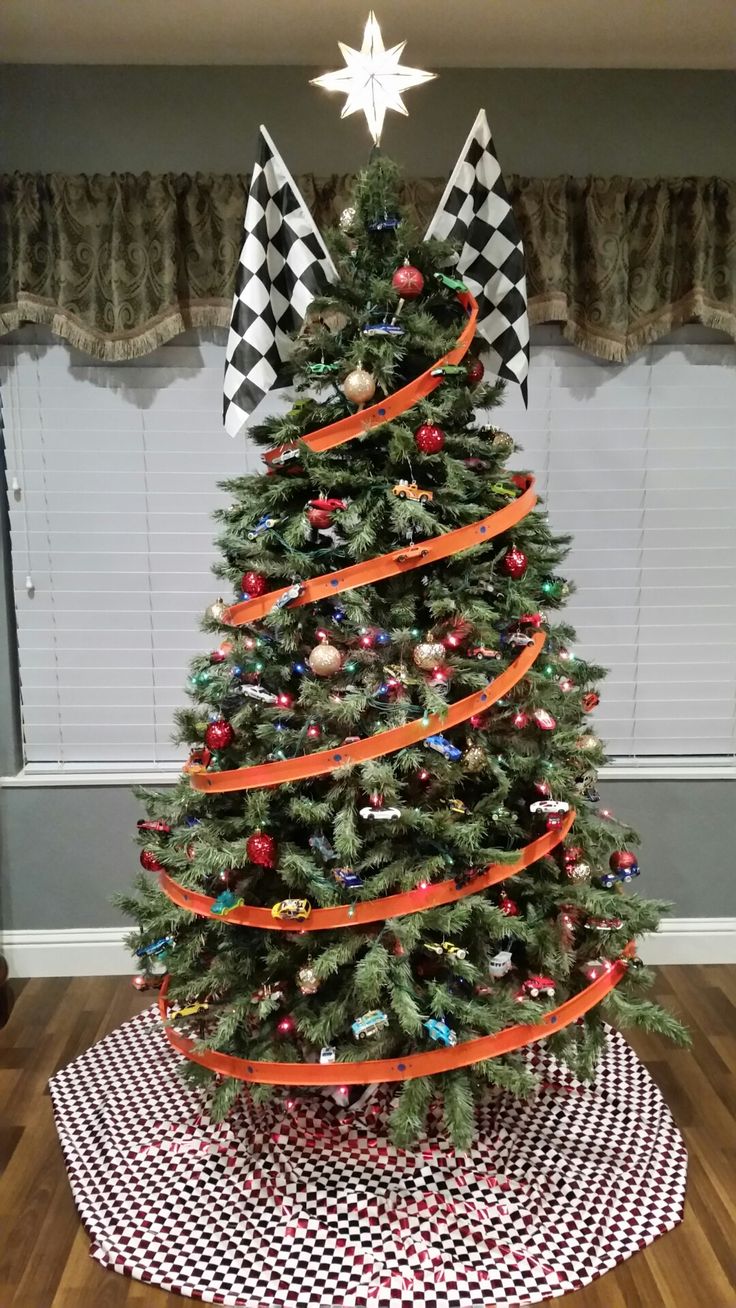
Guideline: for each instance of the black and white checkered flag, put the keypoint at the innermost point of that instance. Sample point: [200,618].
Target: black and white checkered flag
[475,211]
[283,265]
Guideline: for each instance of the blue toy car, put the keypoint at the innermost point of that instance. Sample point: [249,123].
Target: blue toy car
[444,747]
[609,879]
[345,876]
[441,1032]
[156,947]
[225,903]
[322,846]
[383,329]
[384,224]
[369,1024]
[264,523]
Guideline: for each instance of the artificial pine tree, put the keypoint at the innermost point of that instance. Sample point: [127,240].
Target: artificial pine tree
[310,678]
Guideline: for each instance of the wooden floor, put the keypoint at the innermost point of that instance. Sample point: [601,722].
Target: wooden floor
[43,1250]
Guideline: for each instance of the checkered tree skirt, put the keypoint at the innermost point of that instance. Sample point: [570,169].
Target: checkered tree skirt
[313,1206]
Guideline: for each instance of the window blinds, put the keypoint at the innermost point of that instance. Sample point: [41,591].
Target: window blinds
[112,472]
[638,462]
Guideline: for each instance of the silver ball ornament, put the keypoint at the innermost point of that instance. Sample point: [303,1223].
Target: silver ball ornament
[474,758]
[217,610]
[307,980]
[429,654]
[578,871]
[346,220]
[325,660]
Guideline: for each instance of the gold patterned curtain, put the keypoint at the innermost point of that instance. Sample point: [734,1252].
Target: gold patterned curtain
[119,264]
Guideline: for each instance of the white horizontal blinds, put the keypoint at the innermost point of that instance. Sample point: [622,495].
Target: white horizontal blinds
[638,462]
[118,468]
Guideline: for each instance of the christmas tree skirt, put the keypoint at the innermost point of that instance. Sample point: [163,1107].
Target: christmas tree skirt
[312,1205]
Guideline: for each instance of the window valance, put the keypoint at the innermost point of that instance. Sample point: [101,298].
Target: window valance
[119,264]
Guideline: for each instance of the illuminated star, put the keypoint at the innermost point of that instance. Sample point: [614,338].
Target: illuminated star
[373,79]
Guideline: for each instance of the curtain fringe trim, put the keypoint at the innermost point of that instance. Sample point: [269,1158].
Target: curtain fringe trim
[590,338]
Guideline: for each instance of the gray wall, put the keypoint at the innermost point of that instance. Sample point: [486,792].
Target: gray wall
[65,850]
[546,121]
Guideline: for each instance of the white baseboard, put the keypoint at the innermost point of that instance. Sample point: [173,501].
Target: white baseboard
[99,951]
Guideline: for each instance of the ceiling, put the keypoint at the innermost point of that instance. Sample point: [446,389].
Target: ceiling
[440,33]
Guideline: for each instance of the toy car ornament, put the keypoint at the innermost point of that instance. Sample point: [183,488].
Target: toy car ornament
[199,760]
[446,947]
[549,806]
[260,693]
[322,846]
[189,1011]
[448,370]
[408,490]
[609,879]
[278,460]
[225,903]
[289,596]
[369,1024]
[483,652]
[327,1054]
[452,283]
[319,369]
[344,876]
[501,963]
[440,1032]
[380,814]
[537,987]
[465,877]
[274,992]
[156,947]
[457,806]
[441,745]
[265,523]
[604,923]
[384,328]
[162,827]
[292,910]
[388,222]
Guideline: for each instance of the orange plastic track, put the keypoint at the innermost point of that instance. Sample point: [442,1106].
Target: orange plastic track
[357,424]
[411,1065]
[384,742]
[372,910]
[417,555]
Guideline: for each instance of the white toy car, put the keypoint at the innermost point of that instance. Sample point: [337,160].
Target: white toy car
[549,806]
[259,692]
[327,1054]
[501,963]
[380,814]
[289,596]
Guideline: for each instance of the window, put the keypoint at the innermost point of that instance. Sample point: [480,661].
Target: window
[112,472]
[638,463]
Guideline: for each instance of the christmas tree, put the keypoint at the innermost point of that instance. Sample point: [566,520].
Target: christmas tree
[385,858]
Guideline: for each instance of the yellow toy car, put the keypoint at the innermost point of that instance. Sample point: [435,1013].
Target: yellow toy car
[189,1011]
[292,910]
[408,490]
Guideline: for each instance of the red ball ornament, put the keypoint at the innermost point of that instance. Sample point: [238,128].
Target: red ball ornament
[475,371]
[429,438]
[319,518]
[514,563]
[219,735]
[150,862]
[544,720]
[408,281]
[572,853]
[261,849]
[254,584]
[508,907]
[623,860]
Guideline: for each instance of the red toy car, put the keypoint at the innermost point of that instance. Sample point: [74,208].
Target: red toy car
[537,987]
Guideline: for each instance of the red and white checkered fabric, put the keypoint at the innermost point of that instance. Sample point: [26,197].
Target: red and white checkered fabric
[314,1207]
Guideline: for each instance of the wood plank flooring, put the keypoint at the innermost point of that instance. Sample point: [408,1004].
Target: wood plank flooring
[44,1261]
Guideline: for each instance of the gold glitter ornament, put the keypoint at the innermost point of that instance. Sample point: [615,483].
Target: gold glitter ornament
[474,758]
[325,660]
[359,387]
[429,654]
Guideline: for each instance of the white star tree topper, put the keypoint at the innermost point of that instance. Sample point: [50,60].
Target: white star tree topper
[373,79]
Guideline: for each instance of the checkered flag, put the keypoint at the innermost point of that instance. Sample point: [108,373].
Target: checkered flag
[283,265]
[475,212]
